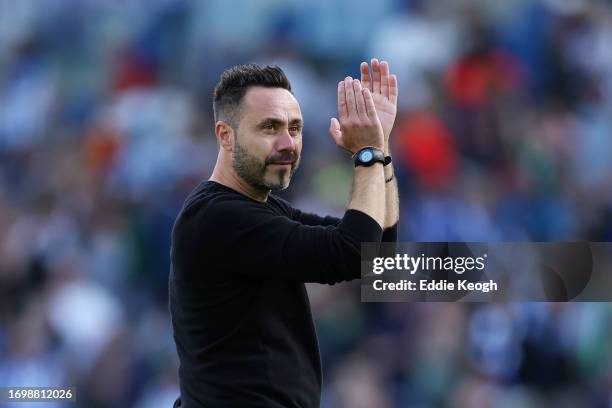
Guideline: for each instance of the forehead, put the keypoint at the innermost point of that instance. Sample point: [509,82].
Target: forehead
[260,102]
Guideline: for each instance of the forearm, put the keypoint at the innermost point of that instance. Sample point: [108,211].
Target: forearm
[391,196]
[368,192]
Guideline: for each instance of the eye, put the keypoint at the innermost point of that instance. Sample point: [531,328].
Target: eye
[268,126]
[295,129]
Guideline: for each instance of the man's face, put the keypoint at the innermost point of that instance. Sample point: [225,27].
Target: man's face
[268,138]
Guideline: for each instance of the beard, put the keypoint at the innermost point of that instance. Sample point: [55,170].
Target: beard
[253,170]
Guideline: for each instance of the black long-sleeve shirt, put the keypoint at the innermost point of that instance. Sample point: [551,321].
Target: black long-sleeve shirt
[240,312]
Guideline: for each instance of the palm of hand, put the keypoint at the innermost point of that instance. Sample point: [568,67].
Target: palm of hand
[383,88]
[384,92]
[386,111]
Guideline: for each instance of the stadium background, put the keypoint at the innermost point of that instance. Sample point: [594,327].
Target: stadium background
[504,134]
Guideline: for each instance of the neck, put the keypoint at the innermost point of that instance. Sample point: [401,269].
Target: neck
[224,173]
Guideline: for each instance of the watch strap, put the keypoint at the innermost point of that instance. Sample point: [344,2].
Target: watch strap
[378,156]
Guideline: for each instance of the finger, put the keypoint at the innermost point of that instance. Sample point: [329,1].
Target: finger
[342,107]
[369,103]
[376,72]
[351,107]
[366,79]
[384,78]
[393,89]
[361,108]
[334,126]
[334,131]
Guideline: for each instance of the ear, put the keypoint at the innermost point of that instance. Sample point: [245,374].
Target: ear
[225,135]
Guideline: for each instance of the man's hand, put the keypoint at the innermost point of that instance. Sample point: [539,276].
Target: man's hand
[384,92]
[359,125]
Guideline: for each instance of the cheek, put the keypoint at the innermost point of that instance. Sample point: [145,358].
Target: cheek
[298,146]
[259,147]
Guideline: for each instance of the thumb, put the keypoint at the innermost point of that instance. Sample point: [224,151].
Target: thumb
[334,130]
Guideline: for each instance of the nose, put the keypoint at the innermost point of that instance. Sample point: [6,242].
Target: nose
[285,142]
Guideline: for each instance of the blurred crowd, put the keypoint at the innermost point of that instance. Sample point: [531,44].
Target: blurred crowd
[504,133]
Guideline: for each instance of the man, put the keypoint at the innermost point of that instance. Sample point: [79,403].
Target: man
[240,255]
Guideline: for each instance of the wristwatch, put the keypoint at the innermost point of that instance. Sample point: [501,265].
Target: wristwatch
[369,155]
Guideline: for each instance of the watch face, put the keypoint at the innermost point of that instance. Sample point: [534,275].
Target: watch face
[366,156]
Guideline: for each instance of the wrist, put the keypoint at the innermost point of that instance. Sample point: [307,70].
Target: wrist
[388,171]
[369,155]
[376,168]
[354,151]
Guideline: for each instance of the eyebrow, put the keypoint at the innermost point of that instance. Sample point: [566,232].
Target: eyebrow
[278,122]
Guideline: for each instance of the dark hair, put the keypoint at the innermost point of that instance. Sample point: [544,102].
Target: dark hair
[236,80]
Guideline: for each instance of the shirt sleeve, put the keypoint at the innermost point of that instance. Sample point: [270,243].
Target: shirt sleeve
[389,242]
[304,217]
[390,234]
[313,219]
[255,242]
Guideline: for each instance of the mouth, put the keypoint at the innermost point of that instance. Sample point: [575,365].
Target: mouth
[281,164]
